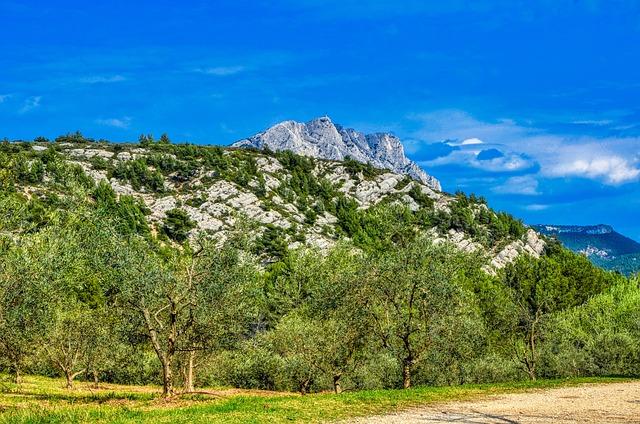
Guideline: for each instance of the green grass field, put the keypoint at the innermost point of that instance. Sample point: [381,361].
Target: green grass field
[44,400]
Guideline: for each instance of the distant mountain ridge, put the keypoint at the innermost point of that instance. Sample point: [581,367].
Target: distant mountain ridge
[601,243]
[321,138]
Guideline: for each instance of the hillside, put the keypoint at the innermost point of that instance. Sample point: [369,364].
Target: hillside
[289,199]
[601,243]
[148,262]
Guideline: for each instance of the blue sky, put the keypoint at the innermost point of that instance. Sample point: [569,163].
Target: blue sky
[531,104]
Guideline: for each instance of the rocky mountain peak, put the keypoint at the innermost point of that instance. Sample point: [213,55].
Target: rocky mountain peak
[321,138]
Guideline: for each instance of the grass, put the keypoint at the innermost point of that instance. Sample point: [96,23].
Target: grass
[44,400]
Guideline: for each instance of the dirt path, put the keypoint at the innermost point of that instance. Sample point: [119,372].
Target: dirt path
[606,403]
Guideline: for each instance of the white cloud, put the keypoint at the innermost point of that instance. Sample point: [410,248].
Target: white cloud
[30,103]
[4,97]
[122,123]
[222,71]
[101,79]
[525,185]
[467,155]
[536,207]
[466,142]
[612,160]
[594,122]
[456,124]
[471,141]
[613,169]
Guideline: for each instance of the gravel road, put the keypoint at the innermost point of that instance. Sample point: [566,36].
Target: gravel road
[603,403]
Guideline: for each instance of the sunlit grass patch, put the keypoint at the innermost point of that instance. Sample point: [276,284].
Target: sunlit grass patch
[44,400]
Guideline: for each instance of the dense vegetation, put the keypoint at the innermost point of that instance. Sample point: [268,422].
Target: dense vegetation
[88,289]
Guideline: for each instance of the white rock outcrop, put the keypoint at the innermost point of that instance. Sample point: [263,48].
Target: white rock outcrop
[321,138]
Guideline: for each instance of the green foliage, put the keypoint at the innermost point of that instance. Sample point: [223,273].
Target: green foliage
[356,168]
[418,302]
[130,212]
[177,224]
[540,288]
[422,199]
[599,337]
[76,138]
[137,173]
[145,140]
[164,139]
[272,243]
[81,267]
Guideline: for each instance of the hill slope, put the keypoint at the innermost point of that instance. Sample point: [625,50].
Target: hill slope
[601,243]
[288,199]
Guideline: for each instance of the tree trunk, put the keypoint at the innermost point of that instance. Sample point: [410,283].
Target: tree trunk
[188,376]
[95,379]
[337,387]
[531,364]
[167,379]
[406,374]
[16,375]
[165,358]
[304,387]
[69,377]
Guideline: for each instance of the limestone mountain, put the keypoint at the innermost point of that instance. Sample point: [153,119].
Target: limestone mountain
[321,138]
[283,200]
[600,243]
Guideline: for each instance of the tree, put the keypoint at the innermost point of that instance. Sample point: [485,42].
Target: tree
[145,140]
[164,139]
[23,301]
[541,287]
[413,293]
[332,347]
[177,225]
[189,302]
[323,330]
[68,341]
[296,340]
[600,337]
[32,279]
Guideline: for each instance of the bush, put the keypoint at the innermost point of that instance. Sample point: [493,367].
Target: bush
[177,225]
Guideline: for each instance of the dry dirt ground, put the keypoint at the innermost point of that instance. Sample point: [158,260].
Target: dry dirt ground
[606,403]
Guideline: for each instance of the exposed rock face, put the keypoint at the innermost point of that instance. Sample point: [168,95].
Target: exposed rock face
[321,138]
[532,245]
[218,202]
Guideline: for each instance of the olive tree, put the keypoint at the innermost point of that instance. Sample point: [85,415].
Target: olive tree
[187,301]
[322,328]
[28,270]
[539,288]
[413,293]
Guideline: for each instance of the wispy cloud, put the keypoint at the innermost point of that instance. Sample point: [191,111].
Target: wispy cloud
[609,160]
[4,97]
[102,79]
[526,185]
[613,169]
[30,104]
[222,71]
[595,122]
[537,207]
[122,123]
[472,155]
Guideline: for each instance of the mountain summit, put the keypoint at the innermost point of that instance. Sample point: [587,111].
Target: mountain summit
[321,138]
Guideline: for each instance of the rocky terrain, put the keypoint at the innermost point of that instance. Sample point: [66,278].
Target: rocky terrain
[278,195]
[321,138]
